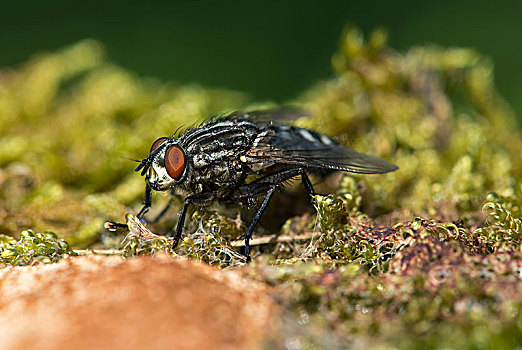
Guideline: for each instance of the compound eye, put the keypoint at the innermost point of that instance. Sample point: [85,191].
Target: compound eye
[175,162]
[158,143]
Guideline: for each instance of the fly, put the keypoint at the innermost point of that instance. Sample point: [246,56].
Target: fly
[238,158]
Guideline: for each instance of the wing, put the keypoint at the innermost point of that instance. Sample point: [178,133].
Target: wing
[297,146]
[334,158]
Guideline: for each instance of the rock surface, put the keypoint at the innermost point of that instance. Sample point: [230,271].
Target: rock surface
[140,303]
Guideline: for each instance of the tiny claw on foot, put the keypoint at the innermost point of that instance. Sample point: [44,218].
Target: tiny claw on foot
[113,225]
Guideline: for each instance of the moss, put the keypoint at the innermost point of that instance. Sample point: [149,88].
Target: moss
[33,247]
[206,244]
[453,302]
[504,220]
[140,241]
[425,257]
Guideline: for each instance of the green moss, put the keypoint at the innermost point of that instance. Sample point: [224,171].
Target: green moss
[206,244]
[140,241]
[33,247]
[504,224]
[443,304]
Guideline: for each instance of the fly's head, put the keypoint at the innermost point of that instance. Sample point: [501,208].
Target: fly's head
[166,165]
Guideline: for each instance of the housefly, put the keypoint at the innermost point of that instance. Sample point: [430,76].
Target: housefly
[239,158]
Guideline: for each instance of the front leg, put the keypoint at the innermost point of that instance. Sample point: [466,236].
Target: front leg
[112,225]
[147,202]
[201,199]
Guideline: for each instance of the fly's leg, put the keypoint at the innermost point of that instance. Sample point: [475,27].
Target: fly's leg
[262,185]
[112,225]
[257,216]
[181,221]
[266,185]
[201,199]
[306,183]
[146,203]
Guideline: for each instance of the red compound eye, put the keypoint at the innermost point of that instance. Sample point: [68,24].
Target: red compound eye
[158,143]
[175,161]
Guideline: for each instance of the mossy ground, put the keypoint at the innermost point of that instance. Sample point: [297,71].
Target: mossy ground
[426,257]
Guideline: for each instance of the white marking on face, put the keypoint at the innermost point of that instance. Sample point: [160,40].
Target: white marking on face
[159,178]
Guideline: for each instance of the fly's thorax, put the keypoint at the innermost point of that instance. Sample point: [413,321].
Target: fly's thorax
[218,175]
[215,151]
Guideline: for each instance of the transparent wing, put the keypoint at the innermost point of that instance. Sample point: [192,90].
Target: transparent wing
[334,158]
[306,148]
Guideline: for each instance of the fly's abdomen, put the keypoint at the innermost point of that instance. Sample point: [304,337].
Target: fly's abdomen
[308,149]
[295,138]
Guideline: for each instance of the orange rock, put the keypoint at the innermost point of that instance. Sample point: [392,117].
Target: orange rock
[100,302]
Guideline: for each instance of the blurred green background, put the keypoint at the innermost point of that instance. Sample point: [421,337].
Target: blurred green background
[270,49]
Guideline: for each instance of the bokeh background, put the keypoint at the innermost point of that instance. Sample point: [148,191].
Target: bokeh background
[270,49]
